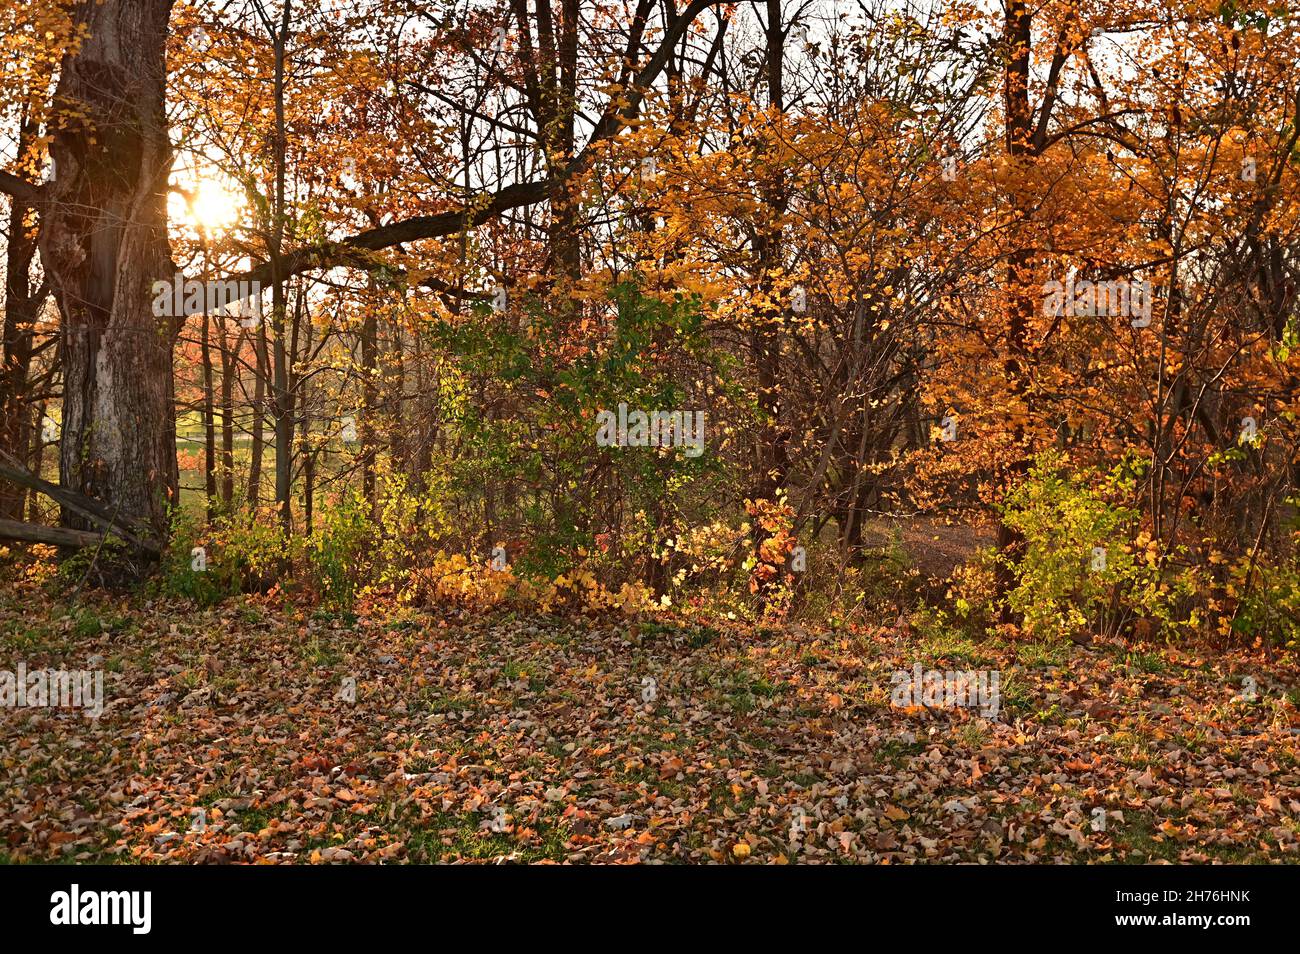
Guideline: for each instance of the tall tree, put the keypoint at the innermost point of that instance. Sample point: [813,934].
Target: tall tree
[103,244]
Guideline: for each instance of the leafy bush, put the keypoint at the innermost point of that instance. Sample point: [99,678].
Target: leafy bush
[1267,597]
[338,551]
[1086,563]
[239,555]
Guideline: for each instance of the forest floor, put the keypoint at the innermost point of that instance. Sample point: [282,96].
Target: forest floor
[227,736]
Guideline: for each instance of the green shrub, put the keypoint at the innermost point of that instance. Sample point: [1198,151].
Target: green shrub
[1069,517]
[239,555]
[337,553]
[1269,601]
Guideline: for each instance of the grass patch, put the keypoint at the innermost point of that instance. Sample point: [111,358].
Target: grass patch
[462,836]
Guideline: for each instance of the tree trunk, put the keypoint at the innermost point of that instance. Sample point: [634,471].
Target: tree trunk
[22,306]
[36,454]
[209,419]
[308,463]
[282,398]
[1019,296]
[103,244]
[19,321]
[369,409]
[259,419]
[772,461]
[227,419]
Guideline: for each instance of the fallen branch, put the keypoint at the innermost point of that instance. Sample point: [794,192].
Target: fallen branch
[40,533]
[79,504]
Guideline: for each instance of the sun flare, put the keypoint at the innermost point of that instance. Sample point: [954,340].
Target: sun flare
[211,207]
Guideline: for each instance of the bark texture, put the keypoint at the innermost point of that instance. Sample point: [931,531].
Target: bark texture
[104,243]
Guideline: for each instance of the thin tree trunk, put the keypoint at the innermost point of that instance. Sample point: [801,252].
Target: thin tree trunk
[259,419]
[1018,290]
[227,421]
[281,393]
[22,305]
[308,464]
[772,455]
[36,455]
[209,420]
[369,408]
